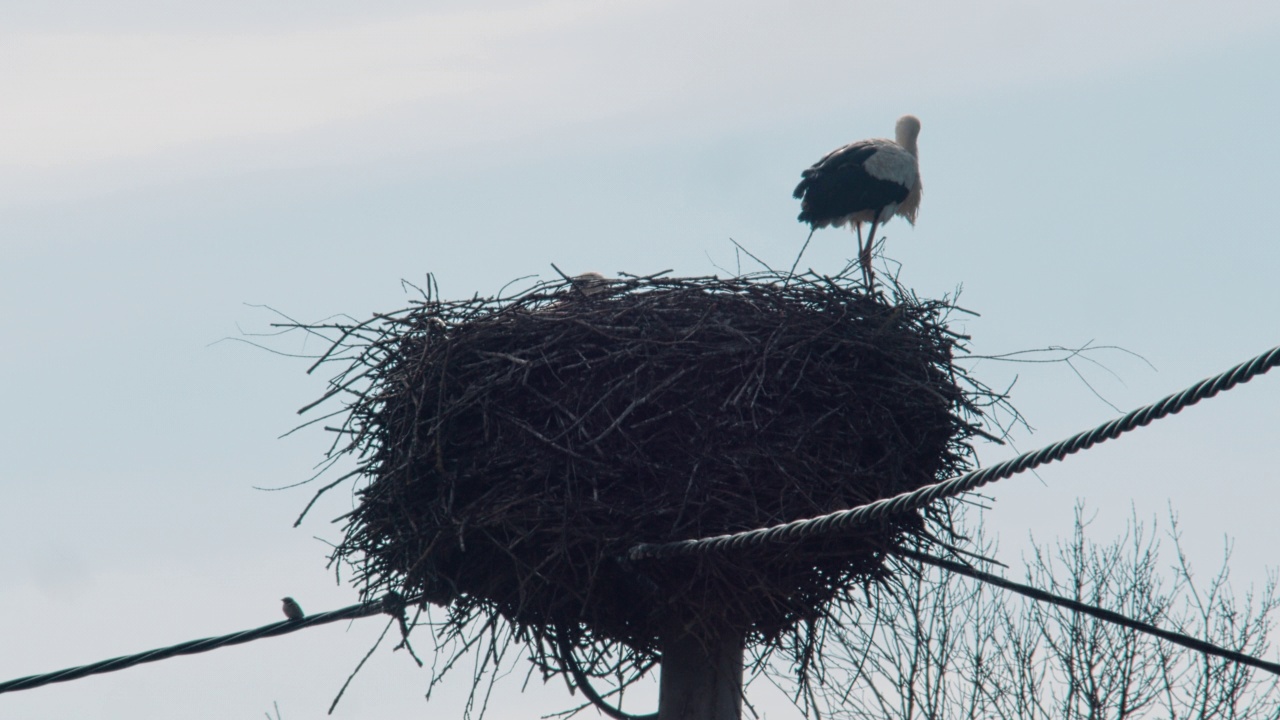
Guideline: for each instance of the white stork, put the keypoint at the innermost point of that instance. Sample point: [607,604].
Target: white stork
[589,283]
[866,181]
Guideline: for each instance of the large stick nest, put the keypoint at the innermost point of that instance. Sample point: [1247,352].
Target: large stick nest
[512,450]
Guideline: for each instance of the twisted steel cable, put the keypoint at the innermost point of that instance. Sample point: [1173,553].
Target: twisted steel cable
[389,604]
[825,524]
[844,520]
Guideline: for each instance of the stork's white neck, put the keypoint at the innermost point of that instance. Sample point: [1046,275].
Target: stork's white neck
[906,132]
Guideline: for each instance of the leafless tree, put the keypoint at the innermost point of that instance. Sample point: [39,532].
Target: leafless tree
[939,646]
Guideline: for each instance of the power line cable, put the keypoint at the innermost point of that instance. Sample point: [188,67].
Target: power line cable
[826,524]
[845,520]
[391,604]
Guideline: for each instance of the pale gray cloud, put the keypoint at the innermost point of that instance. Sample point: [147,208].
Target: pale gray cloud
[87,96]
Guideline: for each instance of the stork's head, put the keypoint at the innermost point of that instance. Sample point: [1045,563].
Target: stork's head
[590,283]
[906,132]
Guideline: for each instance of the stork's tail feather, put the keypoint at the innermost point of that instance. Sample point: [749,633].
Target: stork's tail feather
[807,217]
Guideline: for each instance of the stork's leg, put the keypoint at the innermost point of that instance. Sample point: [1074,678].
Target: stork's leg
[857,227]
[864,256]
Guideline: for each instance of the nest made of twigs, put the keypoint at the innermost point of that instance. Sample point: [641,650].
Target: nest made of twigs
[513,449]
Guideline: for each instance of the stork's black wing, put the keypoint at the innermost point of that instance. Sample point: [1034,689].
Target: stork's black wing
[838,185]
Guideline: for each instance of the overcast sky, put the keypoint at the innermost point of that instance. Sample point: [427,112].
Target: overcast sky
[1096,172]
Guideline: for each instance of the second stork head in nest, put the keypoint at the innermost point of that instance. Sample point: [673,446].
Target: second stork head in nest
[866,181]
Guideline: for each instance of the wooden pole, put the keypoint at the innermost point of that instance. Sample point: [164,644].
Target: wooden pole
[700,680]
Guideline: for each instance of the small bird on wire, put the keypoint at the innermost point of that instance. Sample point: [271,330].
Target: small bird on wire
[866,181]
[292,609]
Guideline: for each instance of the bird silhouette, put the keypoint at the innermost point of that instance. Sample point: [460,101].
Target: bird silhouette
[292,610]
